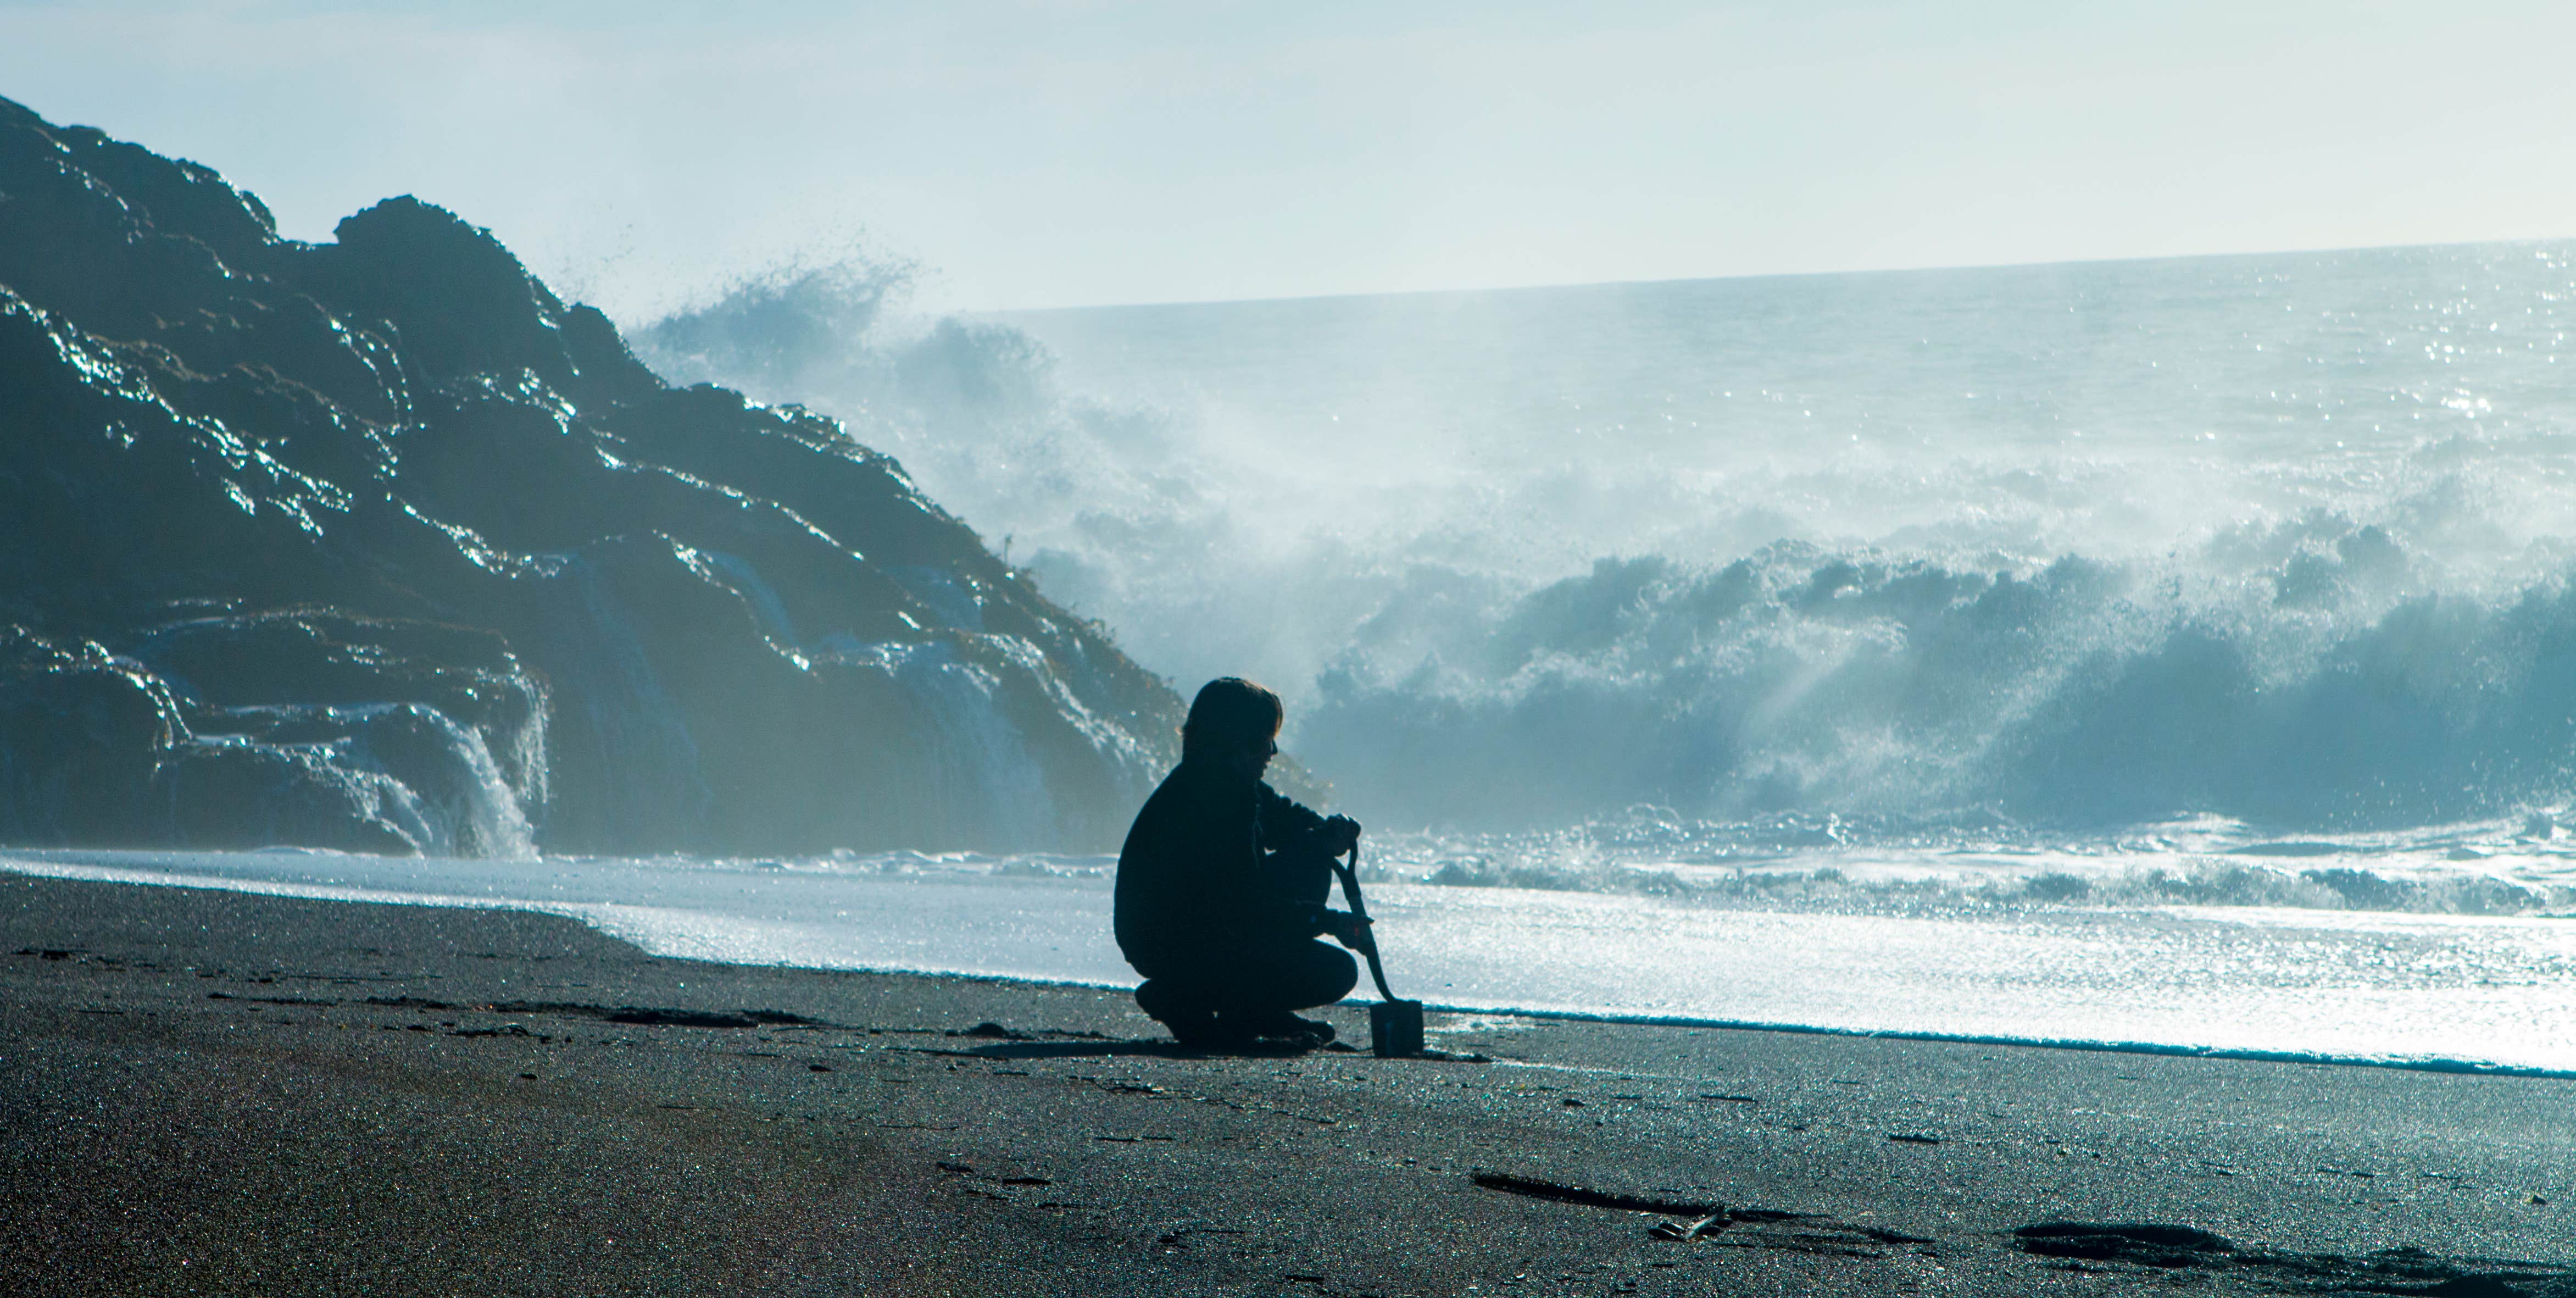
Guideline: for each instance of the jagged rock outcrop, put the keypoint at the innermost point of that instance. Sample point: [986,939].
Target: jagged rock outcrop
[379,544]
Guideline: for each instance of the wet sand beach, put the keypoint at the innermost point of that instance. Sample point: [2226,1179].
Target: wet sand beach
[218,1092]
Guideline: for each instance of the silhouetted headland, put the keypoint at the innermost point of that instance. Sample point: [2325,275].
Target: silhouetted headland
[379,544]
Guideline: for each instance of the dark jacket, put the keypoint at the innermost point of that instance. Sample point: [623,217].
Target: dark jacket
[1194,880]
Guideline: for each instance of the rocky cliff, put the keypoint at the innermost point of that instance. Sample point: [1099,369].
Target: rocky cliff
[378,544]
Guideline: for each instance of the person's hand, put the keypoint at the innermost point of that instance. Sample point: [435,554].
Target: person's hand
[1341,834]
[1348,929]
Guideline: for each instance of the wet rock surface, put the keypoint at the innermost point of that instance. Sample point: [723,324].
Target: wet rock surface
[379,544]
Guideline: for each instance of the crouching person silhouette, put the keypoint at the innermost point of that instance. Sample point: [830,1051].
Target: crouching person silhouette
[1222,882]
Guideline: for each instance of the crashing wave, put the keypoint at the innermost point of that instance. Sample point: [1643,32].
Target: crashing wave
[2267,538]
[2314,690]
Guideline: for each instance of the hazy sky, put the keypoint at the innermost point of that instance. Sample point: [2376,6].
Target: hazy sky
[1042,154]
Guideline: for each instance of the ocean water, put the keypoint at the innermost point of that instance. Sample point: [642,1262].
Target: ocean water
[2279,539]
[2167,655]
[1940,943]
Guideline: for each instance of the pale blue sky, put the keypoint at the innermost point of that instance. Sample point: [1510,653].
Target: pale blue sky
[1044,154]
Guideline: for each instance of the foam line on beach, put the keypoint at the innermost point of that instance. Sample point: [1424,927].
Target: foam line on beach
[2410,1063]
[632,924]
[78,872]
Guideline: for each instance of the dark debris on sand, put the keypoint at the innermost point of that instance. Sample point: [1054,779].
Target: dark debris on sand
[294,1097]
[2135,1247]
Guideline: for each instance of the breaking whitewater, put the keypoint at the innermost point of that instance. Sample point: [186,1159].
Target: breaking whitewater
[2213,554]
[2173,654]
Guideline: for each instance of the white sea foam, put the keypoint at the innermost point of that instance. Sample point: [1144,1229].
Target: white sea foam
[2159,654]
[2378,987]
[2284,538]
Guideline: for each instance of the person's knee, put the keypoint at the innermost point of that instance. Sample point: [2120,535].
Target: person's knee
[1348,977]
[1332,976]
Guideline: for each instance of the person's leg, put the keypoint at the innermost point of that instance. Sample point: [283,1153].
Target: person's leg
[1303,976]
[1253,993]
[1267,989]
[1183,1004]
[1286,976]
[1297,976]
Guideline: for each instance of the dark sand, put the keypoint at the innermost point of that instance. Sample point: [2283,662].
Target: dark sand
[212,1092]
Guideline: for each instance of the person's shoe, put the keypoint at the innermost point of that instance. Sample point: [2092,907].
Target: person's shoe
[1192,1026]
[1287,1028]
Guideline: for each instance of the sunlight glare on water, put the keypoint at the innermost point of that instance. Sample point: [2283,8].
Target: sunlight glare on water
[2327,984]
